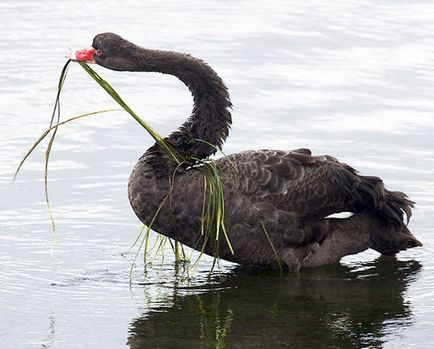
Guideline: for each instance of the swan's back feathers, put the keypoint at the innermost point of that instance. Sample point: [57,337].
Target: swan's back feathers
[295,181]
[299,189]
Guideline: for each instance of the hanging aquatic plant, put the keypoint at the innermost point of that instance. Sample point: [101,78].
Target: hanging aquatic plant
[213,213]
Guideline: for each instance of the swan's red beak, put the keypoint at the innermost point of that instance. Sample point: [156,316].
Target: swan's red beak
[84,55]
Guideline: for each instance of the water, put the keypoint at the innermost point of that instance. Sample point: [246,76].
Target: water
[349,78]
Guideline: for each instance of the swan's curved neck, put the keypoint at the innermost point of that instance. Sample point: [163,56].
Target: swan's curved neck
[208,126]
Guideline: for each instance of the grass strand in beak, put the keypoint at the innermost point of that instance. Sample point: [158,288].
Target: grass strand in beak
[169,150]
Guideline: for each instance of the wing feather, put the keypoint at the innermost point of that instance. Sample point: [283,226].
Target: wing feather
[311,187]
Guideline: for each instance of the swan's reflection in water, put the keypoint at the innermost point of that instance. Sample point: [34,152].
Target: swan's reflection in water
[333,307]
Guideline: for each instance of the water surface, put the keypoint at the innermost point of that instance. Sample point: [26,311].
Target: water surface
[353,79]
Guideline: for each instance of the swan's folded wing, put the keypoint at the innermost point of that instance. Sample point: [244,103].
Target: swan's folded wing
[292,181]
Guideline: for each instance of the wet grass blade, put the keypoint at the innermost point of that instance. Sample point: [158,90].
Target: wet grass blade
[142,229]
[46,132]
[56,110]
[168,149]
[217,149]
[60,84]
[47,199]
[148,228]
[279,263]
[216,198]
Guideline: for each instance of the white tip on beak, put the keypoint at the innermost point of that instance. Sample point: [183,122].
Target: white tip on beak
[82,55]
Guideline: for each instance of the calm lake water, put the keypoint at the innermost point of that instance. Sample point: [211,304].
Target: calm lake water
[353,79]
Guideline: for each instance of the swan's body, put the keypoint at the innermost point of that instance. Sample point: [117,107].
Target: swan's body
[290,193]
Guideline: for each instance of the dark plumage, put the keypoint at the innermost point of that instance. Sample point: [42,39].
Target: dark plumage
[290,192]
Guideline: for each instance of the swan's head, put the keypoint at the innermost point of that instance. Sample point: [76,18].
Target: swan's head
[110,51]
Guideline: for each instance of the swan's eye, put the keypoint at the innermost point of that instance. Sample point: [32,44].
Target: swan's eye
[98,52]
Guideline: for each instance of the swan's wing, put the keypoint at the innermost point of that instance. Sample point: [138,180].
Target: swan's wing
[312,187]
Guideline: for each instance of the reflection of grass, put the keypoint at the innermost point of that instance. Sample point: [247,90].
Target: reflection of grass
[222,328]
[213,213]
[213,335]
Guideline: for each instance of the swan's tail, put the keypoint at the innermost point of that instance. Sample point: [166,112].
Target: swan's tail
[392,234]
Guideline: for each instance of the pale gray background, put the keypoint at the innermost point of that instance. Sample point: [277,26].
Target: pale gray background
[353,79]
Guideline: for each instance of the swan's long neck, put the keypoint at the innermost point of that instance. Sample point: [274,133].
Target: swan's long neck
[208,126]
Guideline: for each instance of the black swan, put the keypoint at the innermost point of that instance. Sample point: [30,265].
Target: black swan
[277,202]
